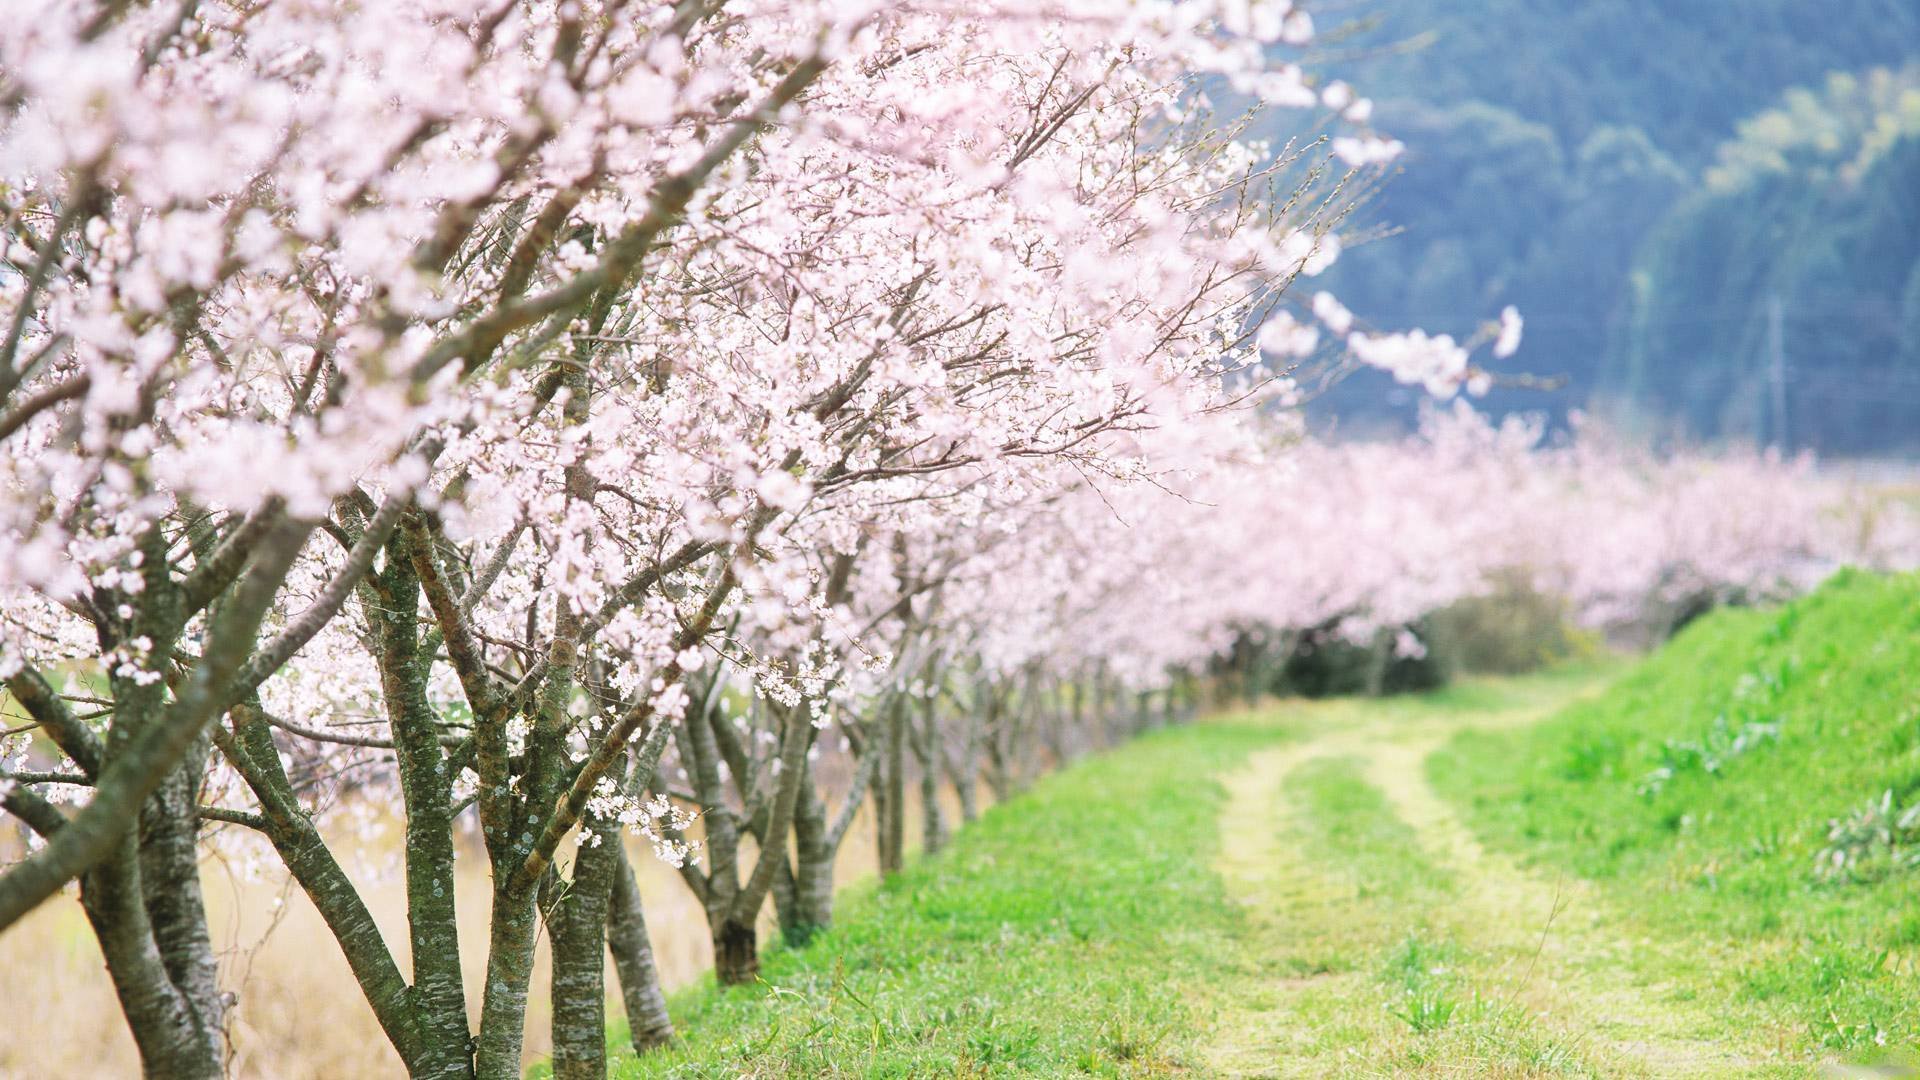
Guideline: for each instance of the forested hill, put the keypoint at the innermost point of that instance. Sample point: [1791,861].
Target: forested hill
[1706,210]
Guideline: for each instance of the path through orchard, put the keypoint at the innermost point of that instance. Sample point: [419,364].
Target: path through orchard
[1288,891]
[1381,938]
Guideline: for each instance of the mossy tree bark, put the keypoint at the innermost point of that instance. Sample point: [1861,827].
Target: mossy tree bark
[648,1024]
[577,925]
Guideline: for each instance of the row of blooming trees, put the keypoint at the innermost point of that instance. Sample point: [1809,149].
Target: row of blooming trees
[1363,540]
[548,420]
[560,384]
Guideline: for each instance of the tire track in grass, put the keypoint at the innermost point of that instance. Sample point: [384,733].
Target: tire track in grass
[1331,958]
[1563,955]
[1543,981]
[1269,1022]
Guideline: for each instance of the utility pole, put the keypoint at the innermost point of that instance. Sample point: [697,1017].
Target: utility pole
[1777,371]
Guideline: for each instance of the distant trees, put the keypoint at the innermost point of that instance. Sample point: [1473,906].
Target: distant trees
[1684,73]
[1804,238]
[1572,157]
[1359,546]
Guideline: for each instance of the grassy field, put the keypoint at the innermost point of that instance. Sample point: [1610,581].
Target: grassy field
[1061,935]
[1748,783]
[1699,864]
[1605,871]
[1273,894]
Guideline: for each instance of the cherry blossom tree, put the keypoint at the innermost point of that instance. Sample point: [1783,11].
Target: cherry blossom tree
[485,369]
[564,419]
[1362,540]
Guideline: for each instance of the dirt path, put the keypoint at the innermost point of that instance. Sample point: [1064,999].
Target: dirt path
[1539,976]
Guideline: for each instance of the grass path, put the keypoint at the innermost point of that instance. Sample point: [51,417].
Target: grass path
[1341,888]
[1384,939]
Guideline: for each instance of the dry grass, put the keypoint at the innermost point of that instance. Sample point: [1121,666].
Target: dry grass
[299,1013]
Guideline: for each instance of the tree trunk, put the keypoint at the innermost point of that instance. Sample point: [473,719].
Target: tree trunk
[893,823]
[1077,713]
[965,771]
[808,907]
[577,924]
[308,859]
[438,994]
[877,786]
[515,915]
[736,953]
[933,821]
[1378,660]
[170,882]
[736,940]
[996,736]
[1053,729]
[648,1024]
[153,933]
[1253,671]
[172,1044]
[503,1008]
[1103,710]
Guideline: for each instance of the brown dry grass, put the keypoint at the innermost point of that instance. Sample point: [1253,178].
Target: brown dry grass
[299,1013]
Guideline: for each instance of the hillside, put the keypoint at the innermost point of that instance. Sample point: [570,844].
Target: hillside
[1753,781]
[1566,157]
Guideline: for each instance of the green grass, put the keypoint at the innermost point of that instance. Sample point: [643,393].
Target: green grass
[1386,964]
[1701,789]
[1062,934]
[1349,829]
[1356,920]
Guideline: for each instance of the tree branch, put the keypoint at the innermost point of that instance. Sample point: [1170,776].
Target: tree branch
[138,769]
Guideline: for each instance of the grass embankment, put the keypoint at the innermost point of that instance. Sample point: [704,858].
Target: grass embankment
[1061,934]
[1744,794]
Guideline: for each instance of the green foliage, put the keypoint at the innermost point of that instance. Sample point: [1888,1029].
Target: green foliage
[1058,936]
[1811,208]
[1510,630]
[1640,180]
[1749,781]
[1325,664]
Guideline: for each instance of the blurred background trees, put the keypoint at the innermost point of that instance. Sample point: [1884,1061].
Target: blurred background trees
[1707,212]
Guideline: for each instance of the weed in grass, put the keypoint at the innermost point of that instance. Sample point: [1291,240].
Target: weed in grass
[1127,1040]
[1426,1009]
[1590,757]
[1707,755]
[1552,1056]
[1422,981]
[1872,841]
